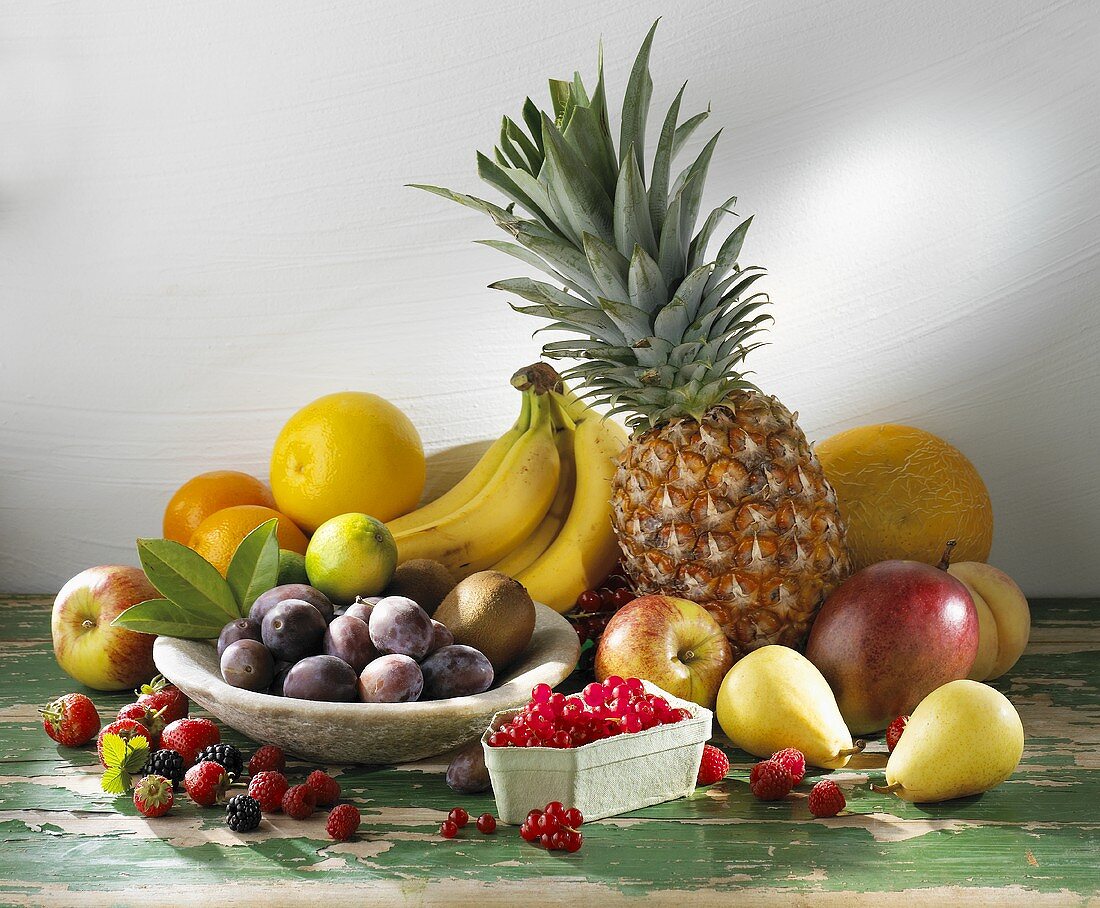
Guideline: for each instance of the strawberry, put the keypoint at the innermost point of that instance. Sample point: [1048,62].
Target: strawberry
[140,713]
[773,781]
[324,786]
[167,699]
[268,757]
[206,783]
[299,802]
[268,788]
[126,729]
[714,766]
[189,736]
[826,799]
[153,796]
[794,761]
[71,720]
[342,822]
[893,732]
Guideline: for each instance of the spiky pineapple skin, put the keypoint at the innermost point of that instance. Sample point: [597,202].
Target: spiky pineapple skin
[732,511]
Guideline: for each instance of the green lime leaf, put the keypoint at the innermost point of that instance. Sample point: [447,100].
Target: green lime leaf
[137,752]
[186,578]
[255,565]
[112,781]
[159,616]
[114,749]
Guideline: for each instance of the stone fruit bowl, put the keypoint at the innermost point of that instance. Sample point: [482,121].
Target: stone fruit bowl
[368,732]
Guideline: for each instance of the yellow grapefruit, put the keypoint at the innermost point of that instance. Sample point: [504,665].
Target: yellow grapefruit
[903,493]
[347,452]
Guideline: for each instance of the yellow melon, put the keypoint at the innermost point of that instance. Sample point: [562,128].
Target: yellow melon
[903,493]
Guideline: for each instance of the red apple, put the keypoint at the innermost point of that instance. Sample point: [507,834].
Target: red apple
[673,643]
[86,645]
[888,636]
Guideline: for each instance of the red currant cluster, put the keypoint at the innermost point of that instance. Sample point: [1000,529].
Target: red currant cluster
[601,711]
[594,608]
[458,817]
[554,827]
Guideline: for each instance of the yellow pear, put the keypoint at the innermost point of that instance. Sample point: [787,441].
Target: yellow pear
[962,739]
[774,698]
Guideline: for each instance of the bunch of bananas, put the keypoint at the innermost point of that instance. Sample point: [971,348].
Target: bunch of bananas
[536,505]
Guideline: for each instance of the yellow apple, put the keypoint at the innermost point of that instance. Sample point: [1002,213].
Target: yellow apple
[86,645]
[1003,616]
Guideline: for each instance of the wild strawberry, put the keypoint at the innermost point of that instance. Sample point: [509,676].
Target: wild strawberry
[71,720]
[299,802]
[127,729]
[268,787]
[206,783]
[795,762]
[826,799]
[714,766]
[153,796]
[773,781]
[268,757]
[893,732]
[324,786]
[147,717]
[167,699]
[342,822]
[189,736]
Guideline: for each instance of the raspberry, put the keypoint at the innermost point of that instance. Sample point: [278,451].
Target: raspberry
[165,763]
[153,796]
[299,802]
[266,758]
[268,788]
[206,783]
[893,732]
[225,754]
[795,762]
[826,799]
[242,813]
[325,788]
[773,781]
[342,822]
[714,766]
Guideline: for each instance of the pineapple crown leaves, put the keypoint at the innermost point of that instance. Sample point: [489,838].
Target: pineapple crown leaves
[660,331]
[125,759]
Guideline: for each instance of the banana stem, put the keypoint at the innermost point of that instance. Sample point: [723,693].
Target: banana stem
[887,789]
[540,376]
[856,748]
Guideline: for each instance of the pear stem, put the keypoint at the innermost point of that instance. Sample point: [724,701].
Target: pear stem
[945,561]
[886,789]
[856,748]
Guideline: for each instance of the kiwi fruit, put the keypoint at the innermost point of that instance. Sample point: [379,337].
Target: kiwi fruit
[491,612]
[422,580]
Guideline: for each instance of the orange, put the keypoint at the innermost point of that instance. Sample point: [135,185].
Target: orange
[217,537]
[903,493]
[207,493]
[349,452]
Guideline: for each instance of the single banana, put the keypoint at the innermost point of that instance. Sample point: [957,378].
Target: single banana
[585,550]
[504,513]
[539,541]
[472,483]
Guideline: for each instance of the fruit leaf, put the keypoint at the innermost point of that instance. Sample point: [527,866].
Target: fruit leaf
[255,565]
[186,578]
[124,759]
[112,781]
[137,752]
[114,749]
[159,616]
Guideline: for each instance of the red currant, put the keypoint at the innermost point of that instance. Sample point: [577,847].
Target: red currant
[611,682]
[458,816]
[447,829]
[632,724]
[571,841]
[594,694]
[541,693]
[533,816]
[498,739]
[547,840]
[573,818]
[554,809]
[589,600]
[635,685]
[487,824]
[528,833]
[622,596]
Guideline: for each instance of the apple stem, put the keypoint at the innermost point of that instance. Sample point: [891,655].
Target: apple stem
[887,789]
[945,561]
[856,748]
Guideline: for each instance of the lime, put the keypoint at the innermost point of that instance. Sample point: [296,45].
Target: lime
[292,567]
[351,555]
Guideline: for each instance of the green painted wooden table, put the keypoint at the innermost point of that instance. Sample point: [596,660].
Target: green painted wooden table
[1035,839]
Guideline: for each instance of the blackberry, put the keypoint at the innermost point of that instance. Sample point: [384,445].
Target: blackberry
[228,756]
[167,763]
[242,813]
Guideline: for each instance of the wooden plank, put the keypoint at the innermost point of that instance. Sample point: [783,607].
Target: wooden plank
[1034,839]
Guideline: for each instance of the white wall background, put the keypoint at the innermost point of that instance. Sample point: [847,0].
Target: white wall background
[203,226]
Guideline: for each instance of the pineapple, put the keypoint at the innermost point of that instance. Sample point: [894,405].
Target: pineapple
[718,498]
